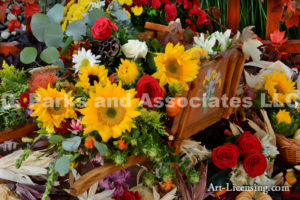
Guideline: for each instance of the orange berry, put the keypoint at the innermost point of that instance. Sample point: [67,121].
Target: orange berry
[174,106]
[122,145]
[168,185]
[89,143]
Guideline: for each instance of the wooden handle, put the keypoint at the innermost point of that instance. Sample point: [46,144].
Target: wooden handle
[93,176]
[156,27]
[18,132]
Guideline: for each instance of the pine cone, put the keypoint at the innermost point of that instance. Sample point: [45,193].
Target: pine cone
[108,50]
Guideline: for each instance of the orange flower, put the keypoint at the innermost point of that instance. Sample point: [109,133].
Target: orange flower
[122,145]
[168,185]
[89,143]
[174,106]
[221,192]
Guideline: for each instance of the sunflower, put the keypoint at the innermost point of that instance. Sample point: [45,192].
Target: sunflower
[110,111]
[128,71]
[280,88]
[92,75]
[53,107]
[176,66]
[283,116]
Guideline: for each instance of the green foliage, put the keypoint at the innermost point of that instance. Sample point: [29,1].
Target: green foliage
[52,176]
[50,55]
[71,144]
[28,55]
[119,158]
[148,179]
[102,148]
[26,153]
[12,117]
[62,165]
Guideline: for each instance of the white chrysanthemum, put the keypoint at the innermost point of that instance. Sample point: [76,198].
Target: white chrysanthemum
[262,180]
[269,150]
[223,39]
[84,58]
[238,175]
[97,5]
[207,44]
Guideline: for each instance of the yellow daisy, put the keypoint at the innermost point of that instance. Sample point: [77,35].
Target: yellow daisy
[176,66]
[137,10]
[92,75]
[128,71]
[280,88]
[53,107]
[127,2]
[283,116]
[110,111]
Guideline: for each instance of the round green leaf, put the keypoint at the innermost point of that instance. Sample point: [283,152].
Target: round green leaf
[53,35]
[55,139]
[77,29]
[71,144]
[38,24]
[62,165]
[102,148]
[28,55]
[50,55]
[56,13]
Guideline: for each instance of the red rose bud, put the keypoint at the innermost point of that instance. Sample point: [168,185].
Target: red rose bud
[13,24]
[102,28]
[255,164]
[148,86]
[24,99]
[225,156]
[63,128]
[156,4]
[113,78]
[248,143]
[15,10]
[128,195]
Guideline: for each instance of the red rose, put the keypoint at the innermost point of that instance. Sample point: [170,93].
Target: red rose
[63,128]
[225,156]
[30,9]
[13,24]
[156,3]
[255,164]
[15,10]
[248,143]
[148,85]
[171,11]
[191,24]
[24,99]
[113,78]
[128,195]
[102,28]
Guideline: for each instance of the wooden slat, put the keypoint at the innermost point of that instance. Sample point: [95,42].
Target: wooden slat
[17,133]
[88,179]
[233,15]
[291,46]
[272,17]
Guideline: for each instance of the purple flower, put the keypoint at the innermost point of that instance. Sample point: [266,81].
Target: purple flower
[98,160]
[120,176]
[105,184]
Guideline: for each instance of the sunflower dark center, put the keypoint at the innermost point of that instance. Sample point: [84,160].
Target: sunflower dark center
[57,107]
[111,112]
[173,68]
[92,79]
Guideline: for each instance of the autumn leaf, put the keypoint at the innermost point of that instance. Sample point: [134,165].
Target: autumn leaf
[277,37]
[250,49]
[30,9]
[292,20]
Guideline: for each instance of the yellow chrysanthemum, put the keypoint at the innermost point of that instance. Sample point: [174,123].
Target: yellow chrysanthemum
[127,2]
[128,71]
[280,88]
[110,111]
[53,107]
[128,13]
[198,53]
[283,116]
[92,75]
[176,66]
[137,10]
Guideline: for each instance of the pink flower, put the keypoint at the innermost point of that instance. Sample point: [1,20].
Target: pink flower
[156,3]
[76,126]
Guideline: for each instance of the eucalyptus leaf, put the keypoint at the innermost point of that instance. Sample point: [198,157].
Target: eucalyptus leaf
[28,55]
[71,144]
[77,29]
[56,13]
[38,24]
[55,139]
[67,44]
[62,165]
[50,55]
[53,35]
[95,14]
[102,148]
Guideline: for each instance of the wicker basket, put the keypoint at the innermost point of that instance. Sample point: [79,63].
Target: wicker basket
[289,149]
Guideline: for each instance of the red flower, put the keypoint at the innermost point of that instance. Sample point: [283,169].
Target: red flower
[128,195]
[191,24]
[148,85]
[13,24]
[171,12]
[24,99]
[139,3]
[200,13]
[156,3]
[63,128]
[277,37]
[255,164]
[15,10]
[113,78]
[225,156]
[248,143]
[30,9]
[42,78]
[102,28]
